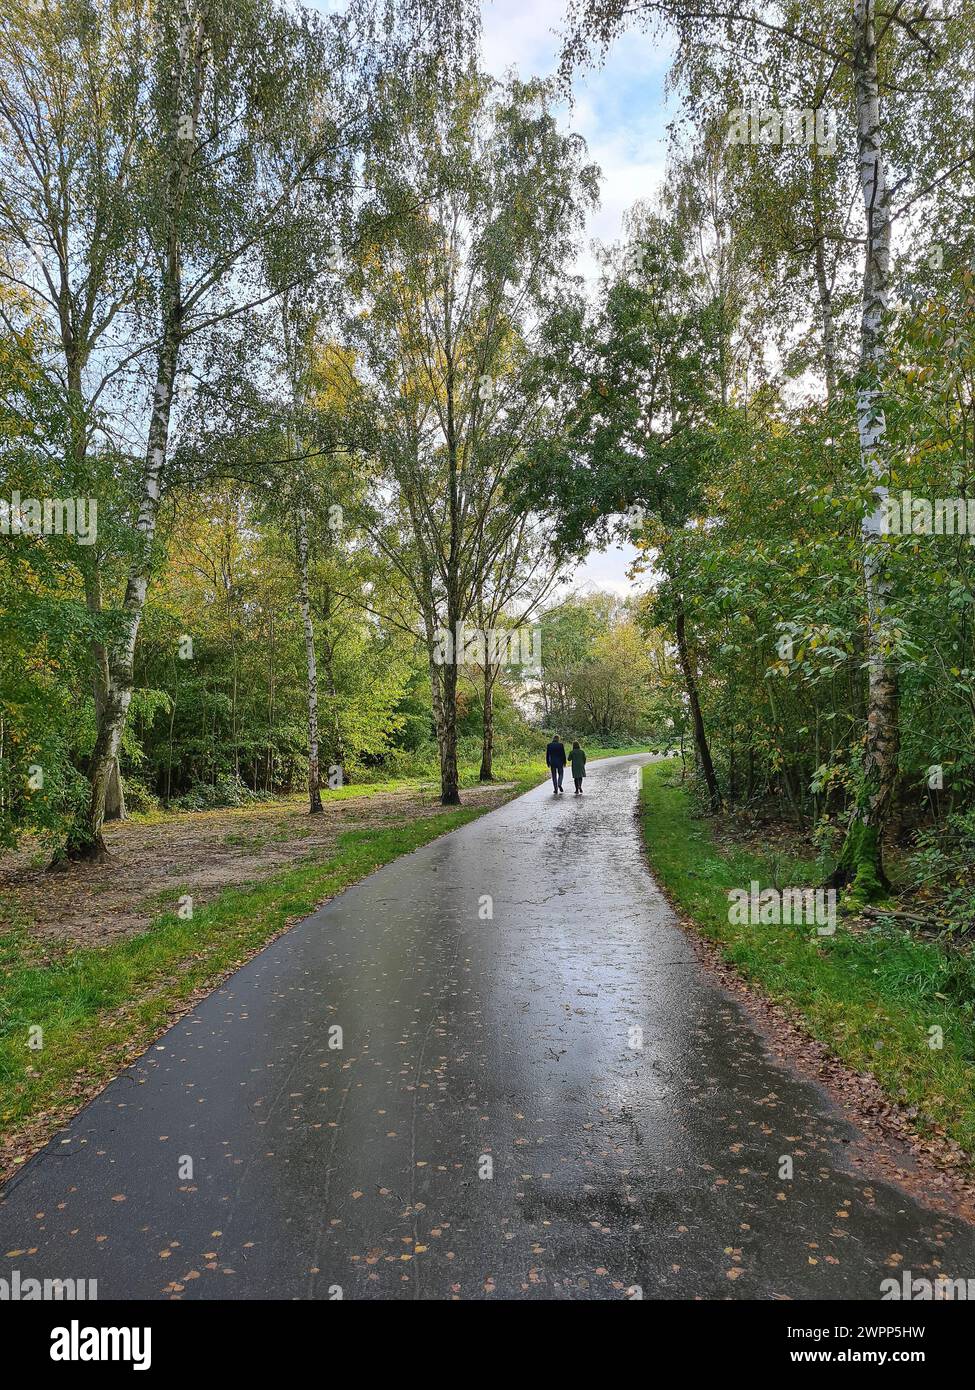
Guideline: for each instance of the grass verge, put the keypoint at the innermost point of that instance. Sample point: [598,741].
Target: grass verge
[873,996]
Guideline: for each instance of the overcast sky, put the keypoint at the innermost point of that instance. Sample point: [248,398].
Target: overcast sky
[620,110]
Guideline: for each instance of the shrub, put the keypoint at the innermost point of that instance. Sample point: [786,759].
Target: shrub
[139,798]
[224,790]
[941,869]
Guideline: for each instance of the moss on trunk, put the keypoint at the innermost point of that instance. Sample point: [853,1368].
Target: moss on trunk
[860,869]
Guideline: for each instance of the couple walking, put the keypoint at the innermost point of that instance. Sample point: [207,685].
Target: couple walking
[555,758]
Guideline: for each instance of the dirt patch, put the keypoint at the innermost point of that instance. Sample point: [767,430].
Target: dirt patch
[761,833]
[151,863]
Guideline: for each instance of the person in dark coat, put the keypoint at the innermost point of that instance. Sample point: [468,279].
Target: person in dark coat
[555,761]
[578,760]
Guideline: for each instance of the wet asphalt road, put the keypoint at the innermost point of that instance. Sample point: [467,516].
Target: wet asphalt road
[472,1044]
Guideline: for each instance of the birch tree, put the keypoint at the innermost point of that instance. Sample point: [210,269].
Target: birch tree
[230,88]
[197,96]
[851,42]
[296,329]
[73,109]
[485,196]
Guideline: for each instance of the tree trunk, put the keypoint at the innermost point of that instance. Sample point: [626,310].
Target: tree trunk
[85,838]
[829,330]
[823,286]
[697,719]
[85,841]
[337,738]
[443,685]
[449,773]
[314,771]
[115,793]
[487,743]
[169,762]
[861,860]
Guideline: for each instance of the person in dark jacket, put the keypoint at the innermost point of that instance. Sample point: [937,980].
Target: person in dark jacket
[555,761]
[578,760]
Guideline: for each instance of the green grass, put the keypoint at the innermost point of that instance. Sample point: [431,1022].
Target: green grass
[159,815]
[871,996]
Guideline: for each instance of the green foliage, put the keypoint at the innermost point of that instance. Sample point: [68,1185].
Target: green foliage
[596,676]
[941,871]
[224,790]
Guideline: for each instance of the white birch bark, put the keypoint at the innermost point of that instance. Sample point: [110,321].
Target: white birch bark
[304,603]
[87,839]
[862,857]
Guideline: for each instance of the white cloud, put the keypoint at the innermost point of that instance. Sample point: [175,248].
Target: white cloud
[521,34]
[605,571]
[619,107]
[620,110]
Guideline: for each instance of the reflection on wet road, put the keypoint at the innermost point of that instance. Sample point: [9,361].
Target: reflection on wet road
[539,1093]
